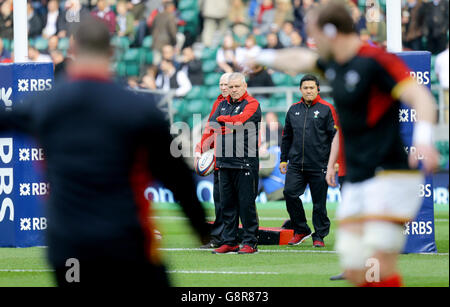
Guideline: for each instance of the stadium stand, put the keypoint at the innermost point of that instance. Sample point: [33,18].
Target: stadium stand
[131,58]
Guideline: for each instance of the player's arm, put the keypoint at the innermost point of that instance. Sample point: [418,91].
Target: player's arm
[332,129]
[291,60]
[419,98]
[395,78]
[174,173]
[207,140]
[334,153]
[248,114]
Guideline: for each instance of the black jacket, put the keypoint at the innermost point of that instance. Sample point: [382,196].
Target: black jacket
[308,133]
[237,140]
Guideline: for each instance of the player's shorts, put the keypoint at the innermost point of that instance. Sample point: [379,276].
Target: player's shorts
[389,196]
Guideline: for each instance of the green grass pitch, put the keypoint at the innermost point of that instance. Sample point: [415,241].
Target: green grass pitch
[273,266]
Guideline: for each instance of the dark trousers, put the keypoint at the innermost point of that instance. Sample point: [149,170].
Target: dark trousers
[238,191]
[217,228]
[295,186]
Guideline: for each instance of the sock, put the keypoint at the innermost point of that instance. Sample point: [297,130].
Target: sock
[391,281]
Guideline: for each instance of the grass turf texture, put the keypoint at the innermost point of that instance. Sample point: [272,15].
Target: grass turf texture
[273,266]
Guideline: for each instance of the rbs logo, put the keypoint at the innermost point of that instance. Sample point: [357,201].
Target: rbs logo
[6,179]
[421,77]
[33,85]
[418,228]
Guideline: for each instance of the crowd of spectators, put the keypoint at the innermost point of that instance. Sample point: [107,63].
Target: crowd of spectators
[235,28]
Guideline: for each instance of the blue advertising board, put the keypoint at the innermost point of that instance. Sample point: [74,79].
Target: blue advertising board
[23,188]
[420,232]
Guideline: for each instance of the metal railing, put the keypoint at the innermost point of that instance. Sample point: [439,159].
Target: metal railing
[166,103]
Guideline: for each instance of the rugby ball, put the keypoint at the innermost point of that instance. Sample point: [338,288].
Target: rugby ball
[206,163]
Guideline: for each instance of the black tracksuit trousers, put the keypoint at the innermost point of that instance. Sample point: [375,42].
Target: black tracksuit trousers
[295,185]
[217,228]
[238,192]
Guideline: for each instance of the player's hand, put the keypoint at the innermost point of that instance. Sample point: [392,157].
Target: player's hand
[428,155]
[283,167]
[331,176]
[197,156]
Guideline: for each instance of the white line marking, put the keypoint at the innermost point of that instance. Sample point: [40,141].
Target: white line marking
[211,218]
[223,272]
[283,251]
[25,270]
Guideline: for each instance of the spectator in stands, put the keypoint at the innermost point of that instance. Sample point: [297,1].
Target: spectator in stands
[73,14]
[169,78]
[441,69]
[226,55]
[272,41]
[148,80]
[283,12]
[436,25]
[274,129]
[215,18]
[237,18]
[133,83]
[34,55]
[59,62]
[52,44]
[376,24]
[260,77]
[301,8]
[250,49]
[137,8]
[124,21]
[5,55]
[192,66]
[6,20]
[104,12]
[296,39]
[358,18]
[54,20]
[35,24]
[164,30]
[264,18]
[169,53]
[412,24]
[285,34]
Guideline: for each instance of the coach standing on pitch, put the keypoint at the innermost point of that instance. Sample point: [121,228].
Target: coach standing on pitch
[311,145]
[103,146]
[206,143]
[237,159]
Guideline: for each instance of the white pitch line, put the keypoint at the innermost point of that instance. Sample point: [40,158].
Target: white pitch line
[25,270]
[170,272]
[282,251]
[223,272]
[211,218]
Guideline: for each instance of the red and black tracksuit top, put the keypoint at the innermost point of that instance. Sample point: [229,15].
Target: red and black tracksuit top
[237,133]
[308,133]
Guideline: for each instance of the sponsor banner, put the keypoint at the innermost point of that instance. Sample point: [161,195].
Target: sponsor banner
[420,232]
[440,190]
[23,189]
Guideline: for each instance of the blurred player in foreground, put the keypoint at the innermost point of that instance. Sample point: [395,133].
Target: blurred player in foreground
[206,143]
[103,146]
[380,192]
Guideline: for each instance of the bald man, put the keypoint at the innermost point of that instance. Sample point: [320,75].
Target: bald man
[206,143]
